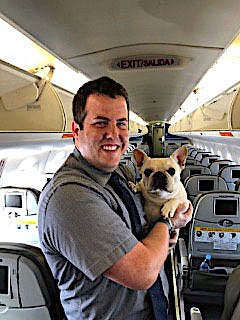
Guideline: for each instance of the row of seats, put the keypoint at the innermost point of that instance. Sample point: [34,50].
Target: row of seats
[218,175]
[27,288]
[214,230]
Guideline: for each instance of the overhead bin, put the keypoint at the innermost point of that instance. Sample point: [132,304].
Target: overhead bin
[30,104]
[40,107]
[137,129]
[35,107]
[220,115]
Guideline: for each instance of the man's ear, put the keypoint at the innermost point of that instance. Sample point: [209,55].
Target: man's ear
[140,157]
[180,156]
[75,129]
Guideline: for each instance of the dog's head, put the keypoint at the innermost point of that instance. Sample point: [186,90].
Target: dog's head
[161,176]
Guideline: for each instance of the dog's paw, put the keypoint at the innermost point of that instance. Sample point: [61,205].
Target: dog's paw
[168,210]
[133,186]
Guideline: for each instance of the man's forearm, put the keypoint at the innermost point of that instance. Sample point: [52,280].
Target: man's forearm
[139,268]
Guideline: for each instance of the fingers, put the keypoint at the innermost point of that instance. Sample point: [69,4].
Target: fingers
[182,215]
[184,207]
[189,212]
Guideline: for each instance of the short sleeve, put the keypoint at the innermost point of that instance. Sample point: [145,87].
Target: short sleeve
[85,230]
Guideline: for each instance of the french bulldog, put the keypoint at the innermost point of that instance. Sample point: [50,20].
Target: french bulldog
[160,184]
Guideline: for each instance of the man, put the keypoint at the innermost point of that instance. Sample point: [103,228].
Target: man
[103,270]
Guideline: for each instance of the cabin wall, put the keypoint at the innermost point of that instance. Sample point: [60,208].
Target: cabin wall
[229,151]
[31,168]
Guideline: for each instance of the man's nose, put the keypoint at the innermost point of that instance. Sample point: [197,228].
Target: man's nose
[112,131]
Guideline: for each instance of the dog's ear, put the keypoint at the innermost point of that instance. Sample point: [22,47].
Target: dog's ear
[140,157]
[180,156]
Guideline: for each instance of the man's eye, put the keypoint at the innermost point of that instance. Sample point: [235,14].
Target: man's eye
[122,125]
[100,124]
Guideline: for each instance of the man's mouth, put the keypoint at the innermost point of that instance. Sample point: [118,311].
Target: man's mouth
[110,148]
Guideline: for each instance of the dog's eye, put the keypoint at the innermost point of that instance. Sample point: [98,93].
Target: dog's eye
[171,171]
[147,172]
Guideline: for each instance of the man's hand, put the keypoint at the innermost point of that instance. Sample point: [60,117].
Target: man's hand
[182,216]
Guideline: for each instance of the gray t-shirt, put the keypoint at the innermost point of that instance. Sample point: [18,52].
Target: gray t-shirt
[82,236]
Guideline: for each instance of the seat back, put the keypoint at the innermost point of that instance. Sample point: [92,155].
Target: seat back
[27,288]
[232,296]
[192,162]
[237,185]
[194,153]
[230,174]
[215,226]
[190,148]
[190,170]
[18,215]
[200,183]
[170,148]
[200,155]
[215,231]
[217,165]
[207,160]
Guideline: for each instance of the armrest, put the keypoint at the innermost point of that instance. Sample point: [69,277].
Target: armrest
[184,264]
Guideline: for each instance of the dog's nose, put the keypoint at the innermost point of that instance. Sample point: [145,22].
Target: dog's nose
[159,181]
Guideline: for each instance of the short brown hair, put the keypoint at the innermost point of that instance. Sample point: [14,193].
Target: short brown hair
[105,86]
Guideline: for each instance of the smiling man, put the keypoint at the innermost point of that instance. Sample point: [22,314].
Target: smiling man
[103,139]
[86,232]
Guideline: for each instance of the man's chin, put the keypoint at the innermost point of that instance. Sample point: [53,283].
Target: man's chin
[108,167]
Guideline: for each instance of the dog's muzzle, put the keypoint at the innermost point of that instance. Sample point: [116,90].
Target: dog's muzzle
[159,181]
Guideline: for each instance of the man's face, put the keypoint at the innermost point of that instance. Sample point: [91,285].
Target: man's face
[104,137]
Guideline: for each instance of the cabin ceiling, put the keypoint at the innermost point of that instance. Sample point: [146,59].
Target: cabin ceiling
[89,34]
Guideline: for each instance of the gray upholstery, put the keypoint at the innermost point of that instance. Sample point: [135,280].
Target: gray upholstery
[207,160]
[200,183]
[27,290]
[217,165]
[190,170]
[230,174]
[214,230]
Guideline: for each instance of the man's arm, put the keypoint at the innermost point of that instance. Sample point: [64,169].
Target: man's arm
[139,268]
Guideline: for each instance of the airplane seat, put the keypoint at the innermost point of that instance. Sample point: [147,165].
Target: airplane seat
[237,185]
[231,309]
[200,183]
[170,148]
[194,152]
[18,214]
[27,288]
[200,155]
[215,231]
[128,155]
[196,185]
[133,167]
[217,165]
[145,148]
[191,162]
[190,148]
[207,160]
[230,173]
[190,170]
